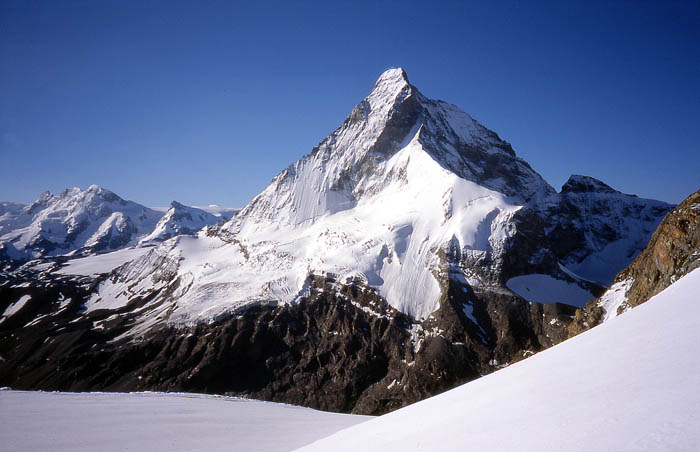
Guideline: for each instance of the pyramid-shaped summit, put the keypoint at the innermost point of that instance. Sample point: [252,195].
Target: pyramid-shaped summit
[353,160]
[408,197]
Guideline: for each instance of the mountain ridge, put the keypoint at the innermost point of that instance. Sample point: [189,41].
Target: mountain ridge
[408,252]
[80,222]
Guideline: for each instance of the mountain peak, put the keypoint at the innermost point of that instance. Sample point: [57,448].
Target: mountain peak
[391,87]
[393,76]
[586,184]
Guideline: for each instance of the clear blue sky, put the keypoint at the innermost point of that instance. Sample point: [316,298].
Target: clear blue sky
[204,102]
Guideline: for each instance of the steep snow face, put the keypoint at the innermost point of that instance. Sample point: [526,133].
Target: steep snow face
[392,241]
[94,219]
[629,384]
[351,163]
[179,220]
[101,263]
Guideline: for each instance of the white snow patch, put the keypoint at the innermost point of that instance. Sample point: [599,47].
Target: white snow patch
[547,289]
[17,305]
[101,263]
[613,298]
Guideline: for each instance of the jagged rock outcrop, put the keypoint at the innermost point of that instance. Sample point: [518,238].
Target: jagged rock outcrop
[672,252]
[596,231]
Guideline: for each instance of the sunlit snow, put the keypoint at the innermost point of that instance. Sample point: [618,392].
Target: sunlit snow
[101,263]
[546,289]
[111,422]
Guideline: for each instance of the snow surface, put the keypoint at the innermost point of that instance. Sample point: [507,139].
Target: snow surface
[613,298]
[101,263]
[630,384]
[547,289]
[17,305]
[106,422]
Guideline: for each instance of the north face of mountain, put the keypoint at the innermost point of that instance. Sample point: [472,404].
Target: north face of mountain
[355,162]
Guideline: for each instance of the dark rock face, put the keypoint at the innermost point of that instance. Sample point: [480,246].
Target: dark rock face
[338,349]
[585,184]
[673,251]
[589,216]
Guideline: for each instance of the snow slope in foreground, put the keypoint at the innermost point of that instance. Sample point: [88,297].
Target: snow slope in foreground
[632,384]
[41,421]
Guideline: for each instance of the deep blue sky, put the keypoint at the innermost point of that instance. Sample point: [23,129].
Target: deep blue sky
[206,103]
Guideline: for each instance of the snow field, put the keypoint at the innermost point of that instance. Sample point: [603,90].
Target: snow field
[111,422]
[547,289]
[101,263]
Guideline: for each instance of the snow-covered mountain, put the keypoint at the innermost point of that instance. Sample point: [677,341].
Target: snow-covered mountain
[405,196]
[411,246]
[75,221]
[8,210]
[179,220]
[85,222]
[627,385]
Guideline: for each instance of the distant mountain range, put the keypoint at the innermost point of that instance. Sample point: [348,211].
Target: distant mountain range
[84,222]
[412,250]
